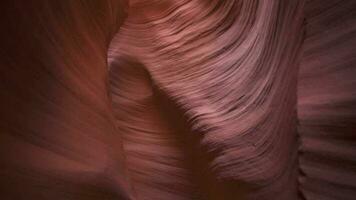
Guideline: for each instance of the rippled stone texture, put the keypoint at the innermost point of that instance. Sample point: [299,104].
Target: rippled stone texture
[231,67]
[188,99]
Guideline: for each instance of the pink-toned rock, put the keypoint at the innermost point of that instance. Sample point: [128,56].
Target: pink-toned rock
[168,100]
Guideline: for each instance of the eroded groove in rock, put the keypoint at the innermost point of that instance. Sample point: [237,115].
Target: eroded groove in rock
[161,150]
[153,142]
[231,66]
[327,101]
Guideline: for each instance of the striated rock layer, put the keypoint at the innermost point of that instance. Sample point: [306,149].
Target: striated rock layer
[168,100]
[231,69]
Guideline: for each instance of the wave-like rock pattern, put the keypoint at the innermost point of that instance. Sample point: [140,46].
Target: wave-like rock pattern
[168,100]
[231,69]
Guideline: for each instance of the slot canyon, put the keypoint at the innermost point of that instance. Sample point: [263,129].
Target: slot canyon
[178,100]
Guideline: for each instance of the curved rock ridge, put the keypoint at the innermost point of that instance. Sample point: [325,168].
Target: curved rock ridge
[178,100]
[231,69]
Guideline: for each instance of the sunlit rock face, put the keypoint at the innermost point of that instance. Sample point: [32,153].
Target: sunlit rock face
[178,100]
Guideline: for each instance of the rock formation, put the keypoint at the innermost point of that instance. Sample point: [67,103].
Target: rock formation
[186,99]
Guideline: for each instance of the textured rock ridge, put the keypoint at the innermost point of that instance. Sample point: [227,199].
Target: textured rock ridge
[231,67]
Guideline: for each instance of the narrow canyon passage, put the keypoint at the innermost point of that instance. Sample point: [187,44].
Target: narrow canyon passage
[178,100]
